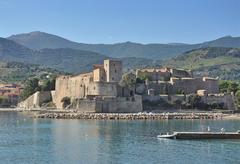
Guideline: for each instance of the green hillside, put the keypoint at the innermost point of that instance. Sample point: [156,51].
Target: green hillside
[212,61]
[15,72]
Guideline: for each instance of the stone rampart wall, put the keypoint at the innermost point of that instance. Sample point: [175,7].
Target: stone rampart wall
[110,105]
[228,100]
[154,76]
[36,100]
[191,85]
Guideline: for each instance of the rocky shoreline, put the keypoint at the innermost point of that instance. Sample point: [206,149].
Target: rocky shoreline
[129,116]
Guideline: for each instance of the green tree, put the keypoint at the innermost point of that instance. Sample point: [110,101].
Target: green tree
[129,81]
[48,85]
[223,86]
[232,87]
[237,95]
[31,86]
[228,86]
[143,76]
[194,100]
[66,101]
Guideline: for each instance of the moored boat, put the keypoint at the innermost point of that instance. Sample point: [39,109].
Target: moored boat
[201,135]
[167,135]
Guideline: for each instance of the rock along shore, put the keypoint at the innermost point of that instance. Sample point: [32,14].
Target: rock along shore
[129,116]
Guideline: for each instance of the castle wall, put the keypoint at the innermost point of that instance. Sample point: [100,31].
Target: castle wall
[155,98]
[154,75]
[99,75]
[123,92]
[73,87]
[110,105]
[180,73]
[228,100]
[179,85]
[167,98]
[141,89]
[84,105]
[53,96]
[82,86]
[36,100]
[188,85]
[102,89]
[160,87]
[211,85]
[191,85]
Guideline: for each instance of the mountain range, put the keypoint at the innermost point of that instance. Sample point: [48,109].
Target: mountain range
[56,52]
[40,40]
[63,59]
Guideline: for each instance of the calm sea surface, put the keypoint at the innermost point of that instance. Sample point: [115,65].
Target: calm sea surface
[28,140]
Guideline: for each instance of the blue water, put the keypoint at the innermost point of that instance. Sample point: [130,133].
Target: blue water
[28,140]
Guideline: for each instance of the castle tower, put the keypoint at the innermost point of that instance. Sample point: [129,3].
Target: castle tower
[113,69]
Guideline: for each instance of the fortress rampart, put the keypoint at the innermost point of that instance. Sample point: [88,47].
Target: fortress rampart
[100,90]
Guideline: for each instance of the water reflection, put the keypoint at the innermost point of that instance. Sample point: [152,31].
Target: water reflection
[27,140]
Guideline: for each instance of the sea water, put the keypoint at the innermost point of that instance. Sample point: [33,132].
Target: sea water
[28,140]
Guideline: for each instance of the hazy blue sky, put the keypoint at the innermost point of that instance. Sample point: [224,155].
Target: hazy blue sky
[108,21]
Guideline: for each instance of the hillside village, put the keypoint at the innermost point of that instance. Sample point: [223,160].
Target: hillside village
[107,90]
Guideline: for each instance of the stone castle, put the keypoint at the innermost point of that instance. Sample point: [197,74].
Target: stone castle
[175,81]
[96,91]
[100,89]
[169,85]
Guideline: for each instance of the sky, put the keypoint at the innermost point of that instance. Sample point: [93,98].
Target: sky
[114,21]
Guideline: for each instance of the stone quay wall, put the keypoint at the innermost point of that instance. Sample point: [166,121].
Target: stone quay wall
[130,116]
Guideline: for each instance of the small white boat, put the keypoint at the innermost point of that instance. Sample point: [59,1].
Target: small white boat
[167,135]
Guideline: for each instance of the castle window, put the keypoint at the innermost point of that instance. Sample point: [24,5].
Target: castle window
[114,65]
[112,78]
[115,71]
